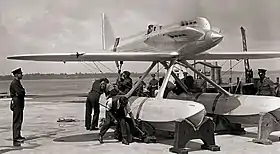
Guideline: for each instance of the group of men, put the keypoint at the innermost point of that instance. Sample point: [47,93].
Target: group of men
[117,115]
[117,106]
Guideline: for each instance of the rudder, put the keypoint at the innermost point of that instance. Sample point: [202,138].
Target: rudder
[108,38]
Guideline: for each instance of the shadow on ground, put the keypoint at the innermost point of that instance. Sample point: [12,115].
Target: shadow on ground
[253,135]
[84,137]
[17,148]
[191,146]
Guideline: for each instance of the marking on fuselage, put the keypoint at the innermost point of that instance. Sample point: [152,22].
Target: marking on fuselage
[79,54]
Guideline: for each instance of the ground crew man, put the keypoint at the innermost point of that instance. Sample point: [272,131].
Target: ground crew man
[192,87]
[124,82]
[202,84]
[265,86]
[179,89]
[98,87]
[17,93]
[139,91]
[169,87]
[153,85]
[117,107]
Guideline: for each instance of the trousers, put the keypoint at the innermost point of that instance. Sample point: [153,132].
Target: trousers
[92,102]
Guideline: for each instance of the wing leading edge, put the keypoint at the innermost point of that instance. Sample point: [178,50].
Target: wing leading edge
[142,56]
[104,56]
[235,55]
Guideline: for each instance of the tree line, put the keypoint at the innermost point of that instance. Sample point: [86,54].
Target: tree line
[38,76]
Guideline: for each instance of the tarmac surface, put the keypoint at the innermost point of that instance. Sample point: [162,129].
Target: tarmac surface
[46,136]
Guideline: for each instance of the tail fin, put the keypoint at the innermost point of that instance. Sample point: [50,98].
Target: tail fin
[108,37]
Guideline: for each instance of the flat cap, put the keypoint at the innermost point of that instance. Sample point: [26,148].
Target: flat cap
[126,73]
[17,71]
[262,70]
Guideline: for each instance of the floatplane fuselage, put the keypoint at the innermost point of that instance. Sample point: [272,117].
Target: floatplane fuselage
[165,43]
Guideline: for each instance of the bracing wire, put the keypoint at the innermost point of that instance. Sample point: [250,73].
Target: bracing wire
[106,67]
[99,70]
[238,84]
[89,67]
[224,63]
[231,68]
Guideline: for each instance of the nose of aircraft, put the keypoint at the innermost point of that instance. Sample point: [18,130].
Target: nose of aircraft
[216,37]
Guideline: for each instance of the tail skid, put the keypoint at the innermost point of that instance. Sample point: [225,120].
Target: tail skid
[108,38]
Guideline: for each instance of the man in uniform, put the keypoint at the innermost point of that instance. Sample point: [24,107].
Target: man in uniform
[124,82]
[98,87]
[153,85]
[17,93]
[139,91]
[265,86]
[117,109]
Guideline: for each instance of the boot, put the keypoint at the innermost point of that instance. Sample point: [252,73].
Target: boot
[100,139]
[94,128]
[22,138]
[16,143]
[124,141]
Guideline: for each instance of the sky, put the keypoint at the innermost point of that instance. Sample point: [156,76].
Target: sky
[63,26]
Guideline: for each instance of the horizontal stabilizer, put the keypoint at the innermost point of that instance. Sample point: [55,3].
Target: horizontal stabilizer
[235,55]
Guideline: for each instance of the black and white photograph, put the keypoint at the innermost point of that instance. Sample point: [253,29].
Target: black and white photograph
[131,76]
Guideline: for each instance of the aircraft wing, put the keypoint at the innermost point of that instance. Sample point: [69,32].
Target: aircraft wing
[100,56]
[235,55]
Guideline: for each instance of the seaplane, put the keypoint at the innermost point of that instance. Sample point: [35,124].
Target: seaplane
[168,45]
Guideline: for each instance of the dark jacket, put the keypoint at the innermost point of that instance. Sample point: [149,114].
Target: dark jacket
[96,88]
[266,87]
[17,93]
[125,85]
